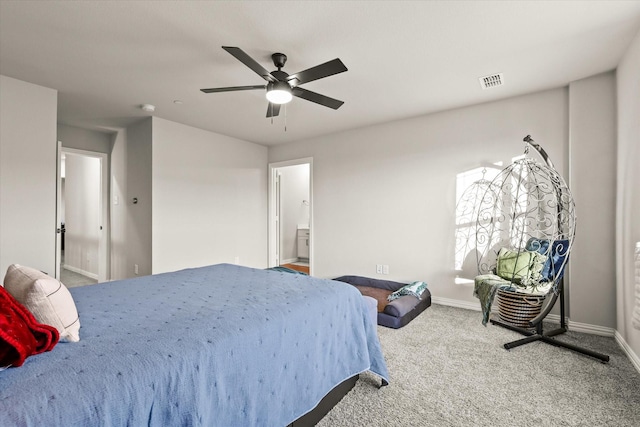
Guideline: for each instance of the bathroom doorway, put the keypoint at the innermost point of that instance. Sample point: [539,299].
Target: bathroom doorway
[290,222]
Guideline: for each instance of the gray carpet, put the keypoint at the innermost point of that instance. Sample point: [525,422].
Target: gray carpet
[448,370]
[71,279]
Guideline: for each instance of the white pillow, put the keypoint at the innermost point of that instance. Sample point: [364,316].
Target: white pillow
[46,298]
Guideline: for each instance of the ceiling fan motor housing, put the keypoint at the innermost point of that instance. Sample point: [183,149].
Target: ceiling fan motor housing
[279,59]
[280,75]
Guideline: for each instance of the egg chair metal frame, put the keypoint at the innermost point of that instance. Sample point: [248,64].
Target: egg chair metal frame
[533,207]
[466,217]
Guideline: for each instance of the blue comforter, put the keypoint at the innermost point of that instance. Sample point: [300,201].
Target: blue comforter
[222,345]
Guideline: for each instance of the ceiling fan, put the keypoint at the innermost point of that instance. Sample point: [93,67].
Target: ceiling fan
[282,87]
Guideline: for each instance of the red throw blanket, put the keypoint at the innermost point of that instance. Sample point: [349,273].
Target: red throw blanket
[20,334]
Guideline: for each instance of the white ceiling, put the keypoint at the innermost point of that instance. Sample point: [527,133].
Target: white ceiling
[405,58]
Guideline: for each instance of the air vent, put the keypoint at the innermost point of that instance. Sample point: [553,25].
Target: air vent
[494,80]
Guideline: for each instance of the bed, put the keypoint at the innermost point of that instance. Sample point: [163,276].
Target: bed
[222,345]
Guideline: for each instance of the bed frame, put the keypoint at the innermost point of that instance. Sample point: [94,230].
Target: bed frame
[334,397]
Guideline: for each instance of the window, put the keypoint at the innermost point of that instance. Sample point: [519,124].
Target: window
[471,187]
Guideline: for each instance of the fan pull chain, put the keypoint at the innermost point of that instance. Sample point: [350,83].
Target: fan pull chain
[285,117]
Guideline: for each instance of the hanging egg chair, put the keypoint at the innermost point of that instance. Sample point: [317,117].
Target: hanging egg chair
[525,229]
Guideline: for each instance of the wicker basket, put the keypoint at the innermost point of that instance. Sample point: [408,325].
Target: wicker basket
[517,308]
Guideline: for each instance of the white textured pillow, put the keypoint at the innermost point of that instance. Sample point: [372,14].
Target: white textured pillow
[46,298]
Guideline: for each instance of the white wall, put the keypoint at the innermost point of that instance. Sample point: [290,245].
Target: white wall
[209,199]
[294,190]
[592,121]
[386,194]
[84,139]
[628,191]
[82,214]
[130,224]
[28,115]
[118,208]
[139,184]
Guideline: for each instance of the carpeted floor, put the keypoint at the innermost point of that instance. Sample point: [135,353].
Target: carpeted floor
[448,370]
[71,279]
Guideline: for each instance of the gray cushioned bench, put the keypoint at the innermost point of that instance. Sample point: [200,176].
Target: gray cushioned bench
[394,314]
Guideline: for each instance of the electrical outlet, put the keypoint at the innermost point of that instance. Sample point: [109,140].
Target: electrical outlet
[379,268]
[385,269]
[135,268]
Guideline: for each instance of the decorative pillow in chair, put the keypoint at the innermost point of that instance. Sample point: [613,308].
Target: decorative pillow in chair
[416,289]
[553,269]
[524,267]
[46,298]
[538,245]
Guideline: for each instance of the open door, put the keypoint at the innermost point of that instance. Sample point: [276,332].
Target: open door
[278,202]
[82,217]
[290,215]
[59,229]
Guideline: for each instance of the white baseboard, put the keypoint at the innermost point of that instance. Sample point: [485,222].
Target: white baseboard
[573,326]
[80,271]
[591,329]
[475,306]
[288,261]
[555,318]
[635,360]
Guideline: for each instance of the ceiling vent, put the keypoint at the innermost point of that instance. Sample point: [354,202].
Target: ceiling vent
[494,80]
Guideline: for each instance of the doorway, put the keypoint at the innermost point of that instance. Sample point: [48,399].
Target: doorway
[290,215]
[82,217]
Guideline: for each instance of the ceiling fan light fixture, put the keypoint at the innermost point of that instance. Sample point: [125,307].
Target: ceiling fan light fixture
[279,93]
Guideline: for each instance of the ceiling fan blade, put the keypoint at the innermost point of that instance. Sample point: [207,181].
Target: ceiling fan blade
[241,56]
[273,110]
[318,72]
[317,98]
[231,89]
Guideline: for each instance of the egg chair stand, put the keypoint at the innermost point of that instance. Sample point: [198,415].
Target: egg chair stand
[540,335]
[535,331]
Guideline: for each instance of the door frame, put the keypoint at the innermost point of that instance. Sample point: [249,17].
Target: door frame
[273,220]
[104,244]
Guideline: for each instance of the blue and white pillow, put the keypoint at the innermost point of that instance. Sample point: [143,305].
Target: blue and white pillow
[416,289]
[553,269]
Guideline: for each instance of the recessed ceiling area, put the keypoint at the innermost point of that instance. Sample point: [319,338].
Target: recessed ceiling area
[404,59]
